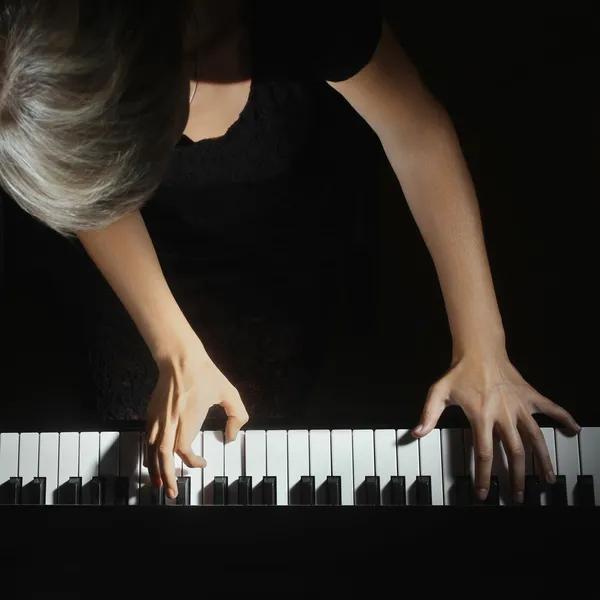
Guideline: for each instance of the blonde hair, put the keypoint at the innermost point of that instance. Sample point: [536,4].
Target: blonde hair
[93,98]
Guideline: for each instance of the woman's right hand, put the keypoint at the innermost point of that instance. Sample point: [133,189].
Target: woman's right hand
[189,383]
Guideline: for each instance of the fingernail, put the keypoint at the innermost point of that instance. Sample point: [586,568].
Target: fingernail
[481,493]
[578,427]
[550,477]
[171,493]
[418,429]
[519,497]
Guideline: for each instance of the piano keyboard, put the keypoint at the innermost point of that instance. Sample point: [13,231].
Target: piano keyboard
[289,468]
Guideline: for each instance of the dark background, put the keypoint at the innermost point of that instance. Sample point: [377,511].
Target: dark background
[522,91]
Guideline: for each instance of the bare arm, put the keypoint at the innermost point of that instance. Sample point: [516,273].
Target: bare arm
[125,255]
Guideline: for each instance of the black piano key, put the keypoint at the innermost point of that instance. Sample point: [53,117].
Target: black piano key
[334,490]
[98,491]
[398,483]
[307,490]
[121,491]
[463,488]
[38,491]
[11,491]
[269,491]
[245,490]
[221,488]
[493,497]
[558,492]
[158,496]
[70,492]
[532,491]
[373,494]
[584,491]
[423,490]
[184,494]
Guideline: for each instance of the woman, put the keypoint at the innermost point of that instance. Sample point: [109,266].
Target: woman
[105,105]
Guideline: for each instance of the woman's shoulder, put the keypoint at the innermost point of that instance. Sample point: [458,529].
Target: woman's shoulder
[313,40]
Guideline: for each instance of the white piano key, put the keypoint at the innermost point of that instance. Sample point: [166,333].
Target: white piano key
[108,465]
[68,457]
[197,475]
[9,456]
[234,464]
[256,461]
[214,454]
[320,461]
[277,463]
[342,463]
[49,465]
[298,462]
[363,456]
[386,462]
[130,463]
[548,433]
[453,462]
[408,462]
[567,461]
[89,459]
[29,451]
[589,447]
[430,461]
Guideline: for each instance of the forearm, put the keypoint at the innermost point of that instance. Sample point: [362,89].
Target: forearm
[125,255]
[440,193]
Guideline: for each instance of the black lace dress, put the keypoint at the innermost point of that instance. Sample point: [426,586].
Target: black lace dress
[258,232]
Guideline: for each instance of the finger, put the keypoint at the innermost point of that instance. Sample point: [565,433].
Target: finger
[166,462]
[236,413]
[531,431]
[184,442]
[151,455]
[515,452]
[437,400]
[483,446]
[556,412]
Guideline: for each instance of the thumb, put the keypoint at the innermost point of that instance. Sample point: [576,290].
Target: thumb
[434,407]
[236,413]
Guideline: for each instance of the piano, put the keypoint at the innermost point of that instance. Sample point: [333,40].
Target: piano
[332,491]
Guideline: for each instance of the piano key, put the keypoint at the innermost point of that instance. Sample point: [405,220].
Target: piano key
[307,490]
[98,491]
[462,491]
[548,433]
[430,461]
[269,490]
[501,469]
[70,492]
[158,496]
[15,488]
[408,463]
[277,464]
[48,465]
[386,462]
[493,497]
[589,447]
[220,490]
[89,459]
[9,466]
[341,463]
[298,462]
[363,451]
[145,481]
[585,491]
[121,489]
[108,464]
[532,490]
[197,475]
[38,491]
[334,490]
[245,490]
[453,466]
[319,452]
[256,462]
[68,464]
[557,493]
[29,448]
[567,461]
[372,490]
[214,455]
[130,464]
[424,491]
[398,484]
[234,465]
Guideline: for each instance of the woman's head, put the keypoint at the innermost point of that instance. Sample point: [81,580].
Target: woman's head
[93,98]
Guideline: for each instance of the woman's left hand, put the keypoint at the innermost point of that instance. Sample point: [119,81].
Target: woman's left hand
[495,399]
